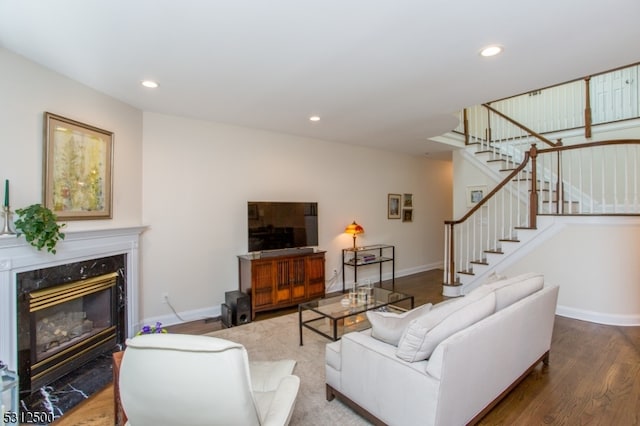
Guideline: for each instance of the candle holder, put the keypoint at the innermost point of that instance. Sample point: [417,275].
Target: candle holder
[6,229]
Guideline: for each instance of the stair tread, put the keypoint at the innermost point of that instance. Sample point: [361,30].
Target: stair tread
[494,251]
[509,240]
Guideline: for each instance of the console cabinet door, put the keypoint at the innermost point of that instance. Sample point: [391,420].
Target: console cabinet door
[315,275]
[283,286]
[297,279]
[262,281]
[290,280]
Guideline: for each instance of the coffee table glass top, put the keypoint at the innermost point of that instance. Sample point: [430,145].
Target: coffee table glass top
[334,316]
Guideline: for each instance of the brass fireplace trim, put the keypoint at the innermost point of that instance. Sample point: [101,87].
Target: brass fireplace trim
[102,337]
[42,299]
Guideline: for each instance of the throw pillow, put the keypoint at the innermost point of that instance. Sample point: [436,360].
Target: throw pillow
[518,278]
[388,326]
[419,339]
[494,276]
[510,294]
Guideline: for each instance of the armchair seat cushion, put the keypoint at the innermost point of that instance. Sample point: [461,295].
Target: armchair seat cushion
[266,375]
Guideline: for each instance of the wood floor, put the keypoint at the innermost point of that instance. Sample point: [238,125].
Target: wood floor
[593,377]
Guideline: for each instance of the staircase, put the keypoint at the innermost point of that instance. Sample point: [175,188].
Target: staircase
[536,180]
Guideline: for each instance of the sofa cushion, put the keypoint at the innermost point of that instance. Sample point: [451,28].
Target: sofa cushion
[423,335]
[513,289]
[388,326]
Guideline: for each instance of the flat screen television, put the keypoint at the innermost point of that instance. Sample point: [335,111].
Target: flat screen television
[276,225]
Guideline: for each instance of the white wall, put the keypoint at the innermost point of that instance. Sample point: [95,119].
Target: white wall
[595,263]
[27,90]
[190,182]
[198,177]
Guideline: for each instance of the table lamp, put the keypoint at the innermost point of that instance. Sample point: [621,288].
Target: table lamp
[354,229]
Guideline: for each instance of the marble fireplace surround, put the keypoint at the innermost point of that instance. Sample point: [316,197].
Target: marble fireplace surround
[17,256]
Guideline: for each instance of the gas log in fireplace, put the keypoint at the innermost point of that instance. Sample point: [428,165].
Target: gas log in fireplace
[67,316]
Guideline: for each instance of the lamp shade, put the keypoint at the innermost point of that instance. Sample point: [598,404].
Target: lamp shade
[354,229]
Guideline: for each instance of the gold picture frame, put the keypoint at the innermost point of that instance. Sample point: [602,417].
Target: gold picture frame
[393,206]
[77,175]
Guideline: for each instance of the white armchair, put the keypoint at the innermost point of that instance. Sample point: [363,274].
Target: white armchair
[177,379]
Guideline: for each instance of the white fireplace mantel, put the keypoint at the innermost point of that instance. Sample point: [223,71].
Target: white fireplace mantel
[17,256]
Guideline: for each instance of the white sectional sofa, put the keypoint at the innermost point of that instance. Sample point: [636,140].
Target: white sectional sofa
[448,364]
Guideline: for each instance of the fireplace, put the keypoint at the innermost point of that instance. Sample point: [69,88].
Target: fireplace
[67,316]
[82,255]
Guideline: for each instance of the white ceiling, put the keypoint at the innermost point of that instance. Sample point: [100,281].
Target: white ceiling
[383,73]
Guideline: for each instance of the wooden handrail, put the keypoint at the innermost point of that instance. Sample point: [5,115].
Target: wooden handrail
[522,126]
[590,145]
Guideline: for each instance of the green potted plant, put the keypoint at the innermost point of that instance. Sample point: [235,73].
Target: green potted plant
[39,226]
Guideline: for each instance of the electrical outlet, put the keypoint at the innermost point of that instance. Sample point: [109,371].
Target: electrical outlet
[164,296]
[335,272]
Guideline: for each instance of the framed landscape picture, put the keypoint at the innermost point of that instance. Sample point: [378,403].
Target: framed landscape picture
[393,206]
[475,194]
[77,169]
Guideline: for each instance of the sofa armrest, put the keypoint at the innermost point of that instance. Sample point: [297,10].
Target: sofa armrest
[373,377]
[484,359]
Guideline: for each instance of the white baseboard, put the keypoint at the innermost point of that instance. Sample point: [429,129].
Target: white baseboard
[598,317]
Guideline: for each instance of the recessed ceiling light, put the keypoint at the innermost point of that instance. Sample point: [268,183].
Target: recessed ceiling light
[150,84]
[314,118]
[491,50]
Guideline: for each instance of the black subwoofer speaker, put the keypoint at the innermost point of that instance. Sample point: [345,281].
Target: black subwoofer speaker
[240,305]
[226,315]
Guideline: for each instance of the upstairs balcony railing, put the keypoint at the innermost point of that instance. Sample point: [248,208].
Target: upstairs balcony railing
[608,97]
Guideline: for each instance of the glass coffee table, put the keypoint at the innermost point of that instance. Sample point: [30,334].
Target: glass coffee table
[332,317]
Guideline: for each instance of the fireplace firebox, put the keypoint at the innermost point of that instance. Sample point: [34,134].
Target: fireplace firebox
[64,322]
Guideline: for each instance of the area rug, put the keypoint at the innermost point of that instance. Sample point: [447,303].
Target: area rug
[278,338]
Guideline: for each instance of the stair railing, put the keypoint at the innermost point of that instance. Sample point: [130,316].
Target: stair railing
[505,139]
[600,178]
[490,221]
[596,178]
